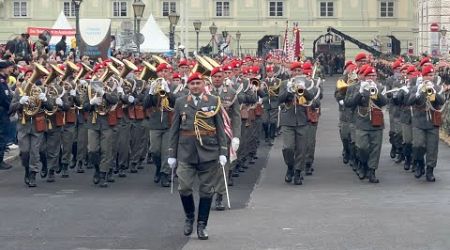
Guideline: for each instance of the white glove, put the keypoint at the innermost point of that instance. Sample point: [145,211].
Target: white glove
[363,87]
[223,160]
[341,102]
[42,97]
[172,162]
[151,91]
[59,102]
[235,143]
[120,90]
[405,89]
[166,87]
[289,87]
[101,92]
[419,88]
[24,100]
[130,99]
[96,101]
[73,92]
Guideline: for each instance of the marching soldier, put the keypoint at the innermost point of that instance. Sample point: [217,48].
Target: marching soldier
[426,100]
[293,121]
[369,123]
[102,119]
[159,101]
[228,97]
[312,114]
[6,69]
[197,141]
[82,137]
[31,124]
[270,102]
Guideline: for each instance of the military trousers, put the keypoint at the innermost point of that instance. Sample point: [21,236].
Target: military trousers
[159,146]
[67,139]
[310,143]
[124,143]
[50,147]
[138,142]
[345,131]
[270,116]
[219,181]
[369,143]
[294,146]
[427,142]
[244,147]
[3,137]
[82,142]
[101,141]
[407,133]
[206,174]
[29,144]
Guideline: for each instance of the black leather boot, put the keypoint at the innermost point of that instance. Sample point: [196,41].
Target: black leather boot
[372,177]
[393,153]
[122,173]
[362,171]
[189,211]
[140,165]
[110,177]
[345,152]
[65,171]
[420,169]
[32,182]
[103,181]
[96,177]
[44,169]
[219,203]
[80,167]
[157,176]
[230,178]
[289,174]
[400,158]
[298,177]
[429,175]
[202,219]
[309,169]
[51,176]
[165,180]
[133,169]
[149,158]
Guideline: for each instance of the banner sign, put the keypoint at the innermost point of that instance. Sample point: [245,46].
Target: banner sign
[36,31]
[95,37]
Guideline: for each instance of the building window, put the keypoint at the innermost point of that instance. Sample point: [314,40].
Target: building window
[223,8]
[326,9]
[168,7]
[387,9]
[69,9]
[120,9]
[20,9]
[275,8]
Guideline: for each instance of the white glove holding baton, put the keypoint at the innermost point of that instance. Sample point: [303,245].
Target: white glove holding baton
[223,161]
[172,163]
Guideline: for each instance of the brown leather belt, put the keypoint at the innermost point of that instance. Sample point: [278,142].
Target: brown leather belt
[192,133]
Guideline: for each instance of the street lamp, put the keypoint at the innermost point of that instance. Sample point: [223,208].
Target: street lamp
[138,8]
[238,38]
[443,33]
[173,19]
[213,31]
[77,4]
[197,27]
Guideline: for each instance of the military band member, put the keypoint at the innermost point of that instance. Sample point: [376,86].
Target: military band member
[426,100]
[270,102]
[293,121]
[31,125]
[197,142]
[160,102]
[368,101]
[6,95]
[82,137]
[102,119]
[228,97]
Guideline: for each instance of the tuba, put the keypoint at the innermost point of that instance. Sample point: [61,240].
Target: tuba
[202,66]
[85,69]
[110,71]
[211,61]
[255,81]
[51,89]
[149,72]
[275,89]
[65,81]
[158,60]
[32,91]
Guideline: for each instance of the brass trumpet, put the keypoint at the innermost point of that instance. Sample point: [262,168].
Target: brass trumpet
[255,81]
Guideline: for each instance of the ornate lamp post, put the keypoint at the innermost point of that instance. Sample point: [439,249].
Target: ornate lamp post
[238,38]
[77,4]
[138,8]
[173,19]
[197,27]
[444,50]
[213,31]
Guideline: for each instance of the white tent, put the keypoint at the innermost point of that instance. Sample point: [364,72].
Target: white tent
[61,23]
[155,40]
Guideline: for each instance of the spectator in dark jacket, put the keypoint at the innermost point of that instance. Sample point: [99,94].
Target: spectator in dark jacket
[61,47]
